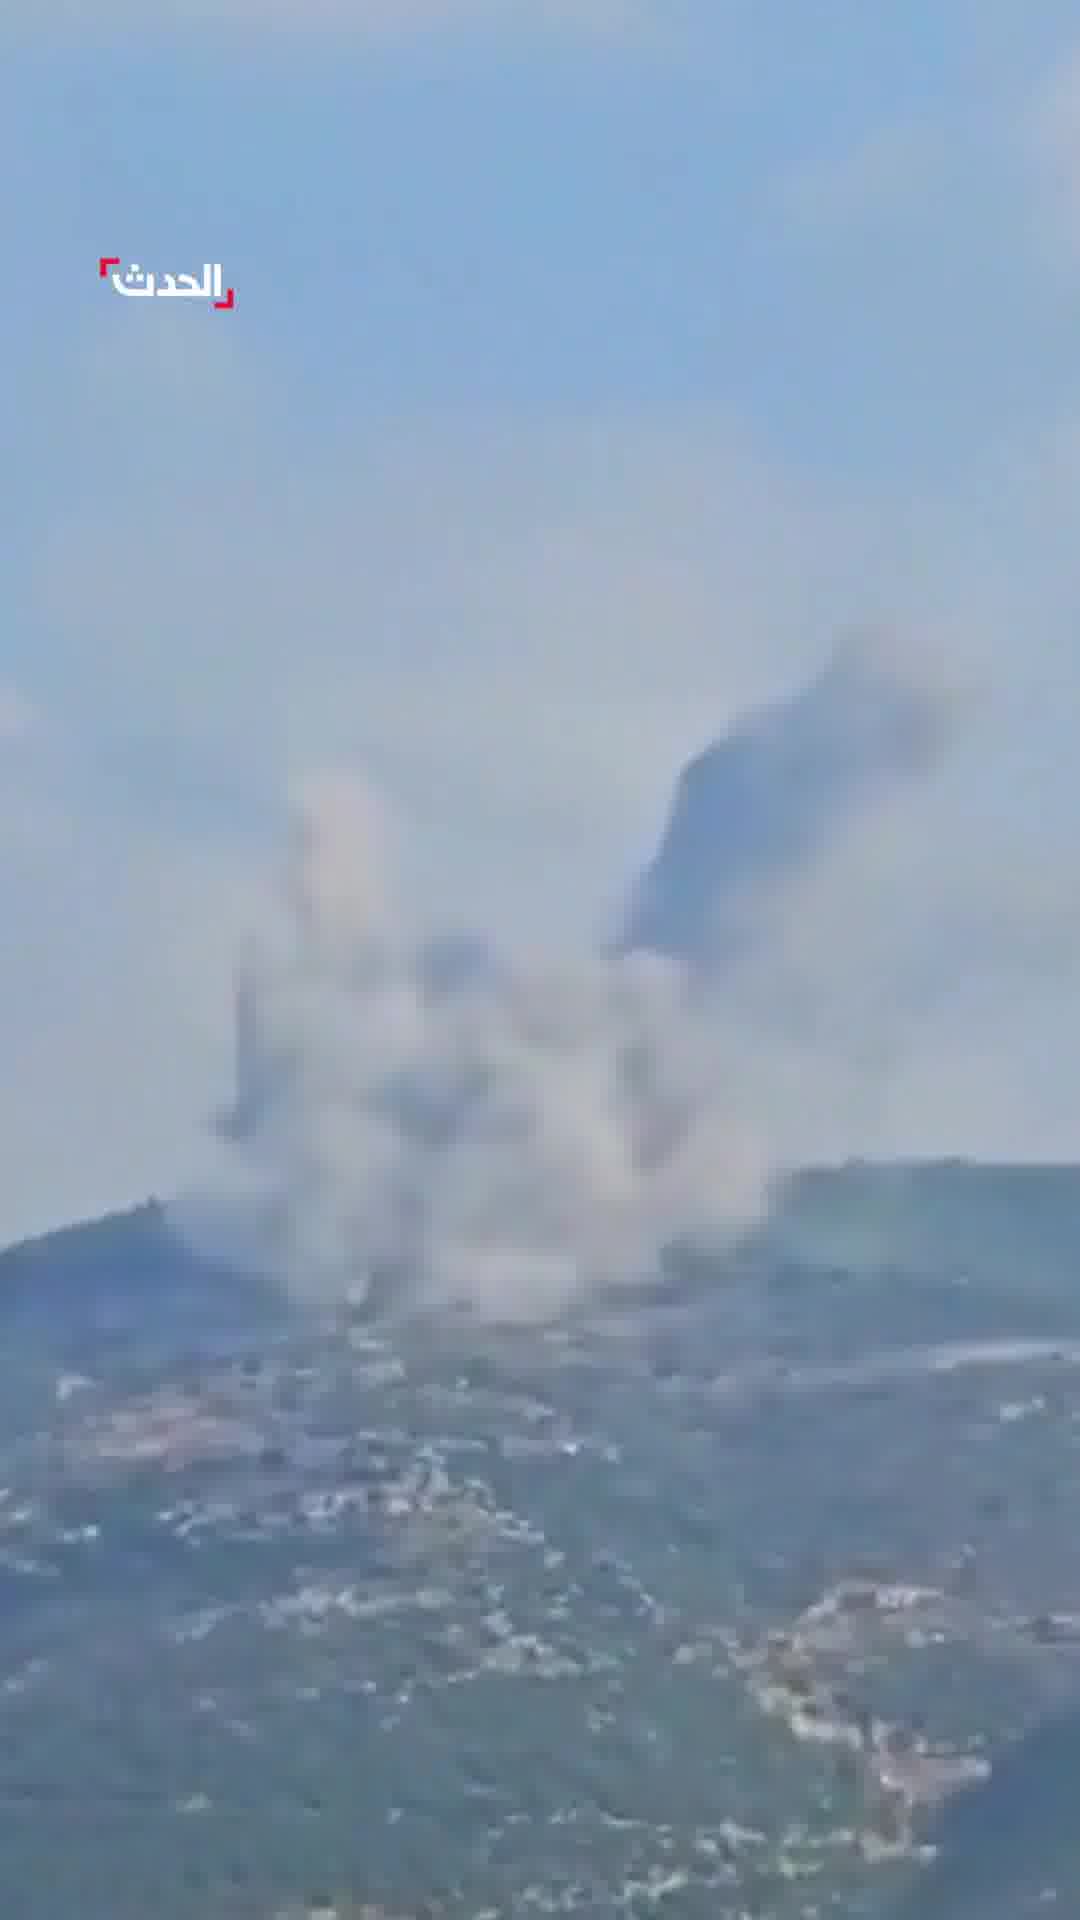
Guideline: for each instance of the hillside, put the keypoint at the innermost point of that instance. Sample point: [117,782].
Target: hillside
[1011,1227]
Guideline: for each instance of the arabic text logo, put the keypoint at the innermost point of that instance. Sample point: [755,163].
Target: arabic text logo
[183,286]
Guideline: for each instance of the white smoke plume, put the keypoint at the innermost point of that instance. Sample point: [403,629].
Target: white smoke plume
[422,1117]
[423,1121]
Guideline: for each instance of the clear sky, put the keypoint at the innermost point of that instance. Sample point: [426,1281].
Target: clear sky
[594,364]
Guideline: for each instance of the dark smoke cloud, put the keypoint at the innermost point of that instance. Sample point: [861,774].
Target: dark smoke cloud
[760,802]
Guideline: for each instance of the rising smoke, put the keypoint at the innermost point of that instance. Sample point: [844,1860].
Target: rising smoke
[424,1121]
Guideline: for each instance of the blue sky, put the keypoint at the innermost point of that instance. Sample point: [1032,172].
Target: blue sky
[593,365]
